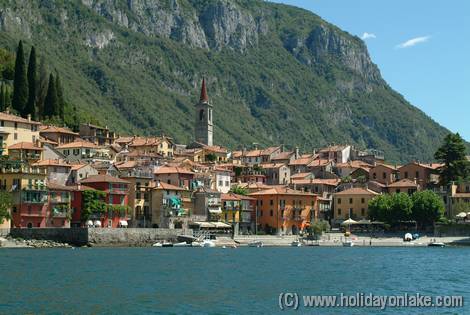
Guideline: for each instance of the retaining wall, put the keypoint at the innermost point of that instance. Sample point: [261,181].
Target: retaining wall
[100,236]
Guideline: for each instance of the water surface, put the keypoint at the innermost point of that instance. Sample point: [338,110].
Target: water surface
[222,281]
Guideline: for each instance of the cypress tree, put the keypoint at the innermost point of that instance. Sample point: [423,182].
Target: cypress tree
[42,88]
[31,105]
[51,101]
[20,83]
[2,98]
[7,97]
[60,97]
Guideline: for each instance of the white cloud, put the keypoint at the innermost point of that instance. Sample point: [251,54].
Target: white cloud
[368,35]
[414,41]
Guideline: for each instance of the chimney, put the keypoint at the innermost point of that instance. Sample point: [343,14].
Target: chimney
[297,155]
[29,117]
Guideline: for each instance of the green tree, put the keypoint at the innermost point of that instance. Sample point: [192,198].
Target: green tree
[7,65]
[32,78]
[2,98]
[5,206]
[93,203]
[211,157]
[51,103]
[20,82]
[239,190]
[42,85]
[60,97]
[401,205]
[428,207]
[379,208]
[453,154]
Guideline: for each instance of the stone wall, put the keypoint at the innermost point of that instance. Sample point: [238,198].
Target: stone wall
[100,236]
[132,236]
[4,232]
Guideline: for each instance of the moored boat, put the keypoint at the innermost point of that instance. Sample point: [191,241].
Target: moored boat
[348,243]
[255,244]
[296,243]
[436,244]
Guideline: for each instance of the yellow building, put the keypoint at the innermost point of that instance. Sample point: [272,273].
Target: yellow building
[15,129]
[140,192]
[351,203]
[148,145]
[230,208]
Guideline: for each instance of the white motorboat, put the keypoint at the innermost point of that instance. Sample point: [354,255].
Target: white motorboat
[436,244]
[197,244]
[181,244]
[296,243]
[255,244]
[348,243]
[157,244]
[208,243]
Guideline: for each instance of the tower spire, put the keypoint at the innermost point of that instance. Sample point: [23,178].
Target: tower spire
[204,98]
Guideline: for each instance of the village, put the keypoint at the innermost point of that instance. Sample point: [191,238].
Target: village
[94,178]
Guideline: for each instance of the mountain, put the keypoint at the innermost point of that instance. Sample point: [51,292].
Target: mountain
[275,73]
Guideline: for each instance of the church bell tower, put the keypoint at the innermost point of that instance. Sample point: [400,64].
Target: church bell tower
[204,126]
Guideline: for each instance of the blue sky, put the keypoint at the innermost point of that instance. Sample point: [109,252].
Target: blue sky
[422,48]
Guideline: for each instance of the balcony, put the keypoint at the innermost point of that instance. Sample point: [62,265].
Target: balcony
[60,199]
[33,214]
[60,212]
[117,191]
[34,197]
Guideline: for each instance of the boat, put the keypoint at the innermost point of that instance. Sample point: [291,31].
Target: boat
[348,243]
[255,244]
[167,244]
[296,243]
[208,243]
[181,244]
[197,244]
[157,244]
[436,244]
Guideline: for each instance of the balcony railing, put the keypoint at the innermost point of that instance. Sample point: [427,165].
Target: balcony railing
[60,199]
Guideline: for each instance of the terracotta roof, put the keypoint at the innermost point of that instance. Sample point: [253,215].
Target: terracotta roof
[405,182]
[55,129]
[76,167]
[253,153]
[319,163]
[353,164]
[145,141]
[253,185]
[52,163]
[24,146]
[80,187]
[124,140]
[56,186]
[234,197]
[283,156]
[272,165]
[269,150]
[172,170]
[281,191]
[303,160]
[431,166]
[356,191]
[103,179]
[77,144]
[300,175]
[237,154]
[124,165]
[166,186]
[204,97]
[392,167]
[44,140]
[14,118]
[317,181]
[215,148]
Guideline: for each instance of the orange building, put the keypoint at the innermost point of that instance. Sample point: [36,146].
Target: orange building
[383,173]
[282,210]
[425,174]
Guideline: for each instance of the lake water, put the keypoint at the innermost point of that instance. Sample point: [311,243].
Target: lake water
[222,281]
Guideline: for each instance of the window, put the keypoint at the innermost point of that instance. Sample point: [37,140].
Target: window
[76,151]
[363,200]
[227,183]
[339,201]
[16,125]
[261,213]
[220,183]
[201,114]
[374,175]
[339,211]
[406,174]
[417,174]
[2,123]
[271,212]
[15,136]
[398,190]
[271,202]
[384,175]
[363,212]
[350,200]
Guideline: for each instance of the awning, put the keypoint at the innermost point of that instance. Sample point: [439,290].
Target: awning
[349,222]
[123,223]
[216,225]
[215,211]
[221,225]
[97,223]
[89,223]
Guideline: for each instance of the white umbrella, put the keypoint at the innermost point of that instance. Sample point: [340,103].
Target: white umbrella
[348,222]
[408,236]
[461,215]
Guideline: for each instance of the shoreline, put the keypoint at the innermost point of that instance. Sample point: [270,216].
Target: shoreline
[268,241]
